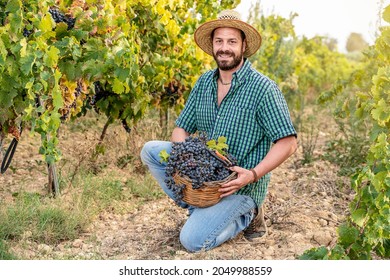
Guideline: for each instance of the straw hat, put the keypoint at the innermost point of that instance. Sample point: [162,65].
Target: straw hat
[227,18]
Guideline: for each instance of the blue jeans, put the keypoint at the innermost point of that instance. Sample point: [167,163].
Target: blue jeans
[206,228]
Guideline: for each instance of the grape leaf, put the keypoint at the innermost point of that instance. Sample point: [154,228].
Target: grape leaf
[56,93]
[27,63]
[359,216]
[51,57]
[46,24]
[164,156]
[118,87]
[13,6]
[386,14]
[347,234]
[6,99]
[314,254]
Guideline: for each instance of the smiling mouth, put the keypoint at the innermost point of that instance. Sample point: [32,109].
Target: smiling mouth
[224,56]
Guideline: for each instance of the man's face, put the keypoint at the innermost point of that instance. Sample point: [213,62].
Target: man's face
[228,48]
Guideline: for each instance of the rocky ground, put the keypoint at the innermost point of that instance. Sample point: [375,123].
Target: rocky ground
[304,206]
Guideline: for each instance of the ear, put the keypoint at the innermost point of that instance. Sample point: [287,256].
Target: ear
[244,45]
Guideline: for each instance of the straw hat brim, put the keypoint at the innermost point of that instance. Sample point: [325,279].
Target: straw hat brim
[203,35]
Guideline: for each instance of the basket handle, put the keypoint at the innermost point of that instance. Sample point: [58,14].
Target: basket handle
[220,157]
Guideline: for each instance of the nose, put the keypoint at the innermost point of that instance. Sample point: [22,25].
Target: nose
[224,46]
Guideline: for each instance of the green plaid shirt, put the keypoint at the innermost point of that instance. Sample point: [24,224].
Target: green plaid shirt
[252,116]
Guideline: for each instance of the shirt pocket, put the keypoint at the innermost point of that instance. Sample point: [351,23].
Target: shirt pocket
[241,121]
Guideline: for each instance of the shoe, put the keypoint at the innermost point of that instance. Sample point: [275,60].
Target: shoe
[257,228]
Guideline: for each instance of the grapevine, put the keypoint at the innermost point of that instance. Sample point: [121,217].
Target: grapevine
[59,59]
[366,232]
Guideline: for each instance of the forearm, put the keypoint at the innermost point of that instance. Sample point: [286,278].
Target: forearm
[179,134]
[279,152]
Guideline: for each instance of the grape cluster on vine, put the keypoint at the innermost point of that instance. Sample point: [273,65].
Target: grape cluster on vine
[27,32]
[193,159]
[60,17]
[100,93]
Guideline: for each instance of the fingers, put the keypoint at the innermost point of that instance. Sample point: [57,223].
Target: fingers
[231,183]
[227,194]
[230,187]
[244,178]
[236,168]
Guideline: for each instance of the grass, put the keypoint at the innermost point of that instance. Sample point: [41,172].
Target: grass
[46,220]
[51,221]
[4,252]
[145,191]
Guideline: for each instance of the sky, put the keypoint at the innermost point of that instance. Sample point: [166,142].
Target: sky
[333,18]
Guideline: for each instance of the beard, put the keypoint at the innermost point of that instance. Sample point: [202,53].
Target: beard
[228,65]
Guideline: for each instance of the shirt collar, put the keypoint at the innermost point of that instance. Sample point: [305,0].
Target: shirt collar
[240,74]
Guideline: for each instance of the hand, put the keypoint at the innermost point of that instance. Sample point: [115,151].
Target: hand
[244,177]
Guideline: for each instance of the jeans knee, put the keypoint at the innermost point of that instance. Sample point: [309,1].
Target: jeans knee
[150,151]
[192,241]
[187,241]
[146,152]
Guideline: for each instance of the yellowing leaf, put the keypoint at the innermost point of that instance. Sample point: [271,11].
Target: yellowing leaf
[172,28]
[160,7]
[121,4]
[51,57]
[118,87]
[381,113]
[46,24]
[3,51]
[163,156]
[359,216]
[386,14]
[211,144]
[56,93]
[165,18]
[23,50]
[141,79]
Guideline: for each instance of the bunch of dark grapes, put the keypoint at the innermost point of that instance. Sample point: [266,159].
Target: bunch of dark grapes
[100,93]
[27,32]
[192,159]
[60,17]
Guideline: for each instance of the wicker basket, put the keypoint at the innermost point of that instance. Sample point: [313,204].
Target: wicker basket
[205,196]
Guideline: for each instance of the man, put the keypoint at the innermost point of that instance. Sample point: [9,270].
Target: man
[246,107]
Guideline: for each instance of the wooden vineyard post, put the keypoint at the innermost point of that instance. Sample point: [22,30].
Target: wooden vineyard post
[164,122]
[53,180]
[1,146]
[53,186]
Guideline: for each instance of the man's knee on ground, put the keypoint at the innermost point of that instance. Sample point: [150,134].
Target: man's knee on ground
[146,149]
[192,241]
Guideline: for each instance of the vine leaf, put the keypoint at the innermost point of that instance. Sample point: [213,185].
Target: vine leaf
[164,156]
[347,234]
[386,14]
[359,216]
[46,24]
[27,63]
[118,87]
[218,145]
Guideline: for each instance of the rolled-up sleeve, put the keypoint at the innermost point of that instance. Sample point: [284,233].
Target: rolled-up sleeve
[275,116]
